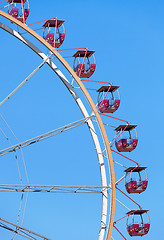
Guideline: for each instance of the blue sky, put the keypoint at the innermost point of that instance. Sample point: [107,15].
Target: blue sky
[128,39]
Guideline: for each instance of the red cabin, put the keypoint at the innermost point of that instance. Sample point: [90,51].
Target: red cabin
[19,9]
[83,66]
[125,142]
[136,226]
[135,185]
[54,32]
[107,102]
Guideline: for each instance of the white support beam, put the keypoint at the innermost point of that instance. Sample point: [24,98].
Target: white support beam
[53,188]
[24,81]
[23,230]
[44,136]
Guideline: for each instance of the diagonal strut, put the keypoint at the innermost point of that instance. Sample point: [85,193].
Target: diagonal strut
[24,231]
[44,136]
[52,188]
[24,81]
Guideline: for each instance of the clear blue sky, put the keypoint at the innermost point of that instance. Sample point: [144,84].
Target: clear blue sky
[128,38]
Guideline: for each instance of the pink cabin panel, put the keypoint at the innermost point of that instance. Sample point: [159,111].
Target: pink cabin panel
[14,12]
[79,68]
[131,186]
[128,187]
[60,40]
[103,105]
[85,74]
[146,228]
[136,230]
[105,108]
[92,68]
[117,104]
[121,145]
[26,13]
[62,37]
[144,185]
[133,230]
[20,19]
[89,73]
[135,141]
[128,229]
[57,43]
[134,185]
[50,38]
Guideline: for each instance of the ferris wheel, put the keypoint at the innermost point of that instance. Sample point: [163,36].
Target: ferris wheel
[98,116]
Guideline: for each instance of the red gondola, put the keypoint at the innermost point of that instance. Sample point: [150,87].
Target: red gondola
[52,28]
[137,228]
[19,9]
[135,186]
[83,66]
[126,143]
[109,104]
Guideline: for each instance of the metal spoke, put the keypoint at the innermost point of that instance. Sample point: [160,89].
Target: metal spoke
[24,81]
[20,208]
[120,164]
[21,230]
[121,203]
[120,179]
[52,188]
[15,231]
[44,136]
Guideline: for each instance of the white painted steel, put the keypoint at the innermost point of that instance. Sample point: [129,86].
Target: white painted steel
[43,136]
[20,228]
[86,115]
[52,188]
[24,81]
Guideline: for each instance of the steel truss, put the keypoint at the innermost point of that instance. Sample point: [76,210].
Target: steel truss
[24,81]
[52,188]
[44,136]
[21,230]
